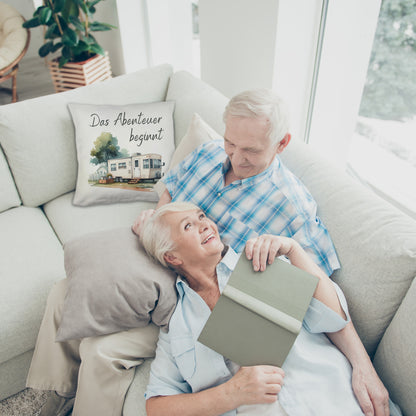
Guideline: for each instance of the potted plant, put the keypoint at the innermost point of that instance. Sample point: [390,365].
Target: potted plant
[68,27]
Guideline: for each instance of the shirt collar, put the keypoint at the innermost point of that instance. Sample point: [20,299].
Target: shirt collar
[224,269]
[252,180]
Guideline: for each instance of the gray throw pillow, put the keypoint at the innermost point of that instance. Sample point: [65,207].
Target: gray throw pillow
[113,286]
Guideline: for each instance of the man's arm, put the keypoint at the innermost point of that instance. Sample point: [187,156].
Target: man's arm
[368,388]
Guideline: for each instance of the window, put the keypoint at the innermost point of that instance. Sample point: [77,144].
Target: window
[383,147]
[122,165]
[113,167]
[145,163]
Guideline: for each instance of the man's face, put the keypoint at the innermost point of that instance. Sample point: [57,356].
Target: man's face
[195,236]
[247,146]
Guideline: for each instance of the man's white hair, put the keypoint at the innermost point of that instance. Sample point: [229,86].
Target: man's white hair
[261,103]
[156,235]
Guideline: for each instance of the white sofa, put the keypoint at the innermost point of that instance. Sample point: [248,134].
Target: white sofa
[376,244]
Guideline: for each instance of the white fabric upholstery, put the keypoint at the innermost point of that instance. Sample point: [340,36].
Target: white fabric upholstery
[375,243]
[9,196]
[134,403]
[13,36]
[394,359]
[193,96]
[70,221]
[48,131]
[31,260]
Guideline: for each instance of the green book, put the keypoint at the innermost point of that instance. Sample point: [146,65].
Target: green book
[259,314]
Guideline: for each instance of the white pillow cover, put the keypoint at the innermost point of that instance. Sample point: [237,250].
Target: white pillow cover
[122,150]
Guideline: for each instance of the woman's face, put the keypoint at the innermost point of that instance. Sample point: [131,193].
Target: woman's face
[195,236]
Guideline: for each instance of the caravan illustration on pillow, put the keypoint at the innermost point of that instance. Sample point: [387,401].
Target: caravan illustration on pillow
[116,168]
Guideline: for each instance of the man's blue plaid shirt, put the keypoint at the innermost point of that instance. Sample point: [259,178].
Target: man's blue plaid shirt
[273,202]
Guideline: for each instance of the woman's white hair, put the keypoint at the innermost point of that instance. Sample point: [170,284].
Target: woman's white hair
[156,235]
[261,103]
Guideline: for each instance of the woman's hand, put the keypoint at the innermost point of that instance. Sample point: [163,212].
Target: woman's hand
[264,249]
[255,385]
[141,219]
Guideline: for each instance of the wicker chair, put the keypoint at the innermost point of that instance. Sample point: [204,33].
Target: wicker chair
[14,42]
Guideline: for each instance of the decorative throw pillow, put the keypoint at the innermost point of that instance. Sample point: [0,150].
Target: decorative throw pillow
[198,133]
[122,150]
[113,285]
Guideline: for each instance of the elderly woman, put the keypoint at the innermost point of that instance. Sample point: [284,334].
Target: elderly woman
[188,378]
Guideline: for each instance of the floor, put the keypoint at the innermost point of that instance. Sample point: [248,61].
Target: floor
[33,80]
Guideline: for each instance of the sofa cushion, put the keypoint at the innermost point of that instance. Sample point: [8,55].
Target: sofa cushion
[394,359]
[192,95]
[9,196]
[43,127]
[116,144]
[70,221]
[134,403]
[31,260]
[374,241]
[113,286]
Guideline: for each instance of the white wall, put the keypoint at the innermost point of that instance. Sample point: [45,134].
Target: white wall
[170,33]
[269,44]
[238,42]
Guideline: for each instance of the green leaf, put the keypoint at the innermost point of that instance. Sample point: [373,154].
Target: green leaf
[57,46]
[34,22]
[100,27]
[70,37]
[70,9]
[96,48]
[62,61]
[66,52]
[82,6]
[45,49]
[52,31]
[77,23]
[58,5]
[44,15]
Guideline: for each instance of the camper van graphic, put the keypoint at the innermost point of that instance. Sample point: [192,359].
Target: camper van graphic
[138,172]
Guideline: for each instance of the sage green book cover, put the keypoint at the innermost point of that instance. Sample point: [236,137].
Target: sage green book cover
[259,314]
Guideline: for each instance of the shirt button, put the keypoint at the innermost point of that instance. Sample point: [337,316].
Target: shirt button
[219,194]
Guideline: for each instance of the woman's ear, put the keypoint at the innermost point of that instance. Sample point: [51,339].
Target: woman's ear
[170,258]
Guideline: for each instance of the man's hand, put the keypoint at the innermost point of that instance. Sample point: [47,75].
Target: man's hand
[264,249]
[255,385]
[140,220]
[370,392]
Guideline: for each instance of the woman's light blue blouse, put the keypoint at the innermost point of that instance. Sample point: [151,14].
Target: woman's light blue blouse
[317,375]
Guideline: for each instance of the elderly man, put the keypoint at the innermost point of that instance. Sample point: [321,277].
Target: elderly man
[315,377]
[242,185]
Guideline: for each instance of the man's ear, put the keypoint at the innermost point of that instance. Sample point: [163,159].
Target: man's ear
[283,143]
[170,258]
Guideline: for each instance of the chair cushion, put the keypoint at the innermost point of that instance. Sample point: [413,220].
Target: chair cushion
[31,261]
[13,36]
